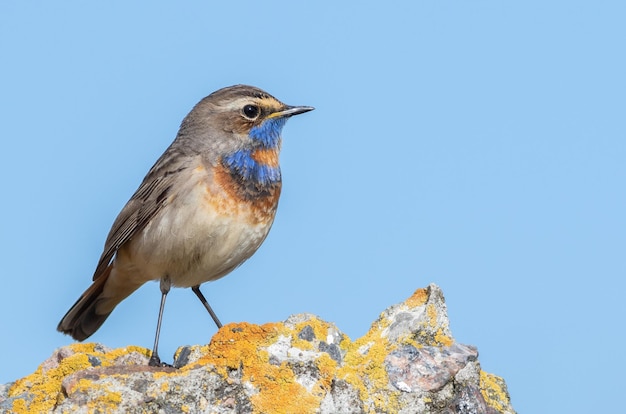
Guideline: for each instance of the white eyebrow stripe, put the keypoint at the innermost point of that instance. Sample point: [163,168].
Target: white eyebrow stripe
[239,103]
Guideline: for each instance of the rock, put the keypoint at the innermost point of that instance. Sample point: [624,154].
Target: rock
[408,362]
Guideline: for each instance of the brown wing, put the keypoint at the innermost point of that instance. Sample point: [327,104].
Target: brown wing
[151,196]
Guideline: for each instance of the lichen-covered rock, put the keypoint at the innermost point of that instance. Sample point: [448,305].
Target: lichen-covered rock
[408,362]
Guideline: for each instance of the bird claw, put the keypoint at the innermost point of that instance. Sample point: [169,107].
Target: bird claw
[155,361]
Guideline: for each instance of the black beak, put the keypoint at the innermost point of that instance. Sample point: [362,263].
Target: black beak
[291,111]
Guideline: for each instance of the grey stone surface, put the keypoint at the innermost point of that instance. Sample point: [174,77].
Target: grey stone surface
[408,362]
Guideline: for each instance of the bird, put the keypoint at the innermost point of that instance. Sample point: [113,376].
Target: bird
[202,210]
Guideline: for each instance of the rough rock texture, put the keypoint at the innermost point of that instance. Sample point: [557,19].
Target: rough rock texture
[408,362]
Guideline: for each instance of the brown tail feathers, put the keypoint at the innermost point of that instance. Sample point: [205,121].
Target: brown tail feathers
[82,320]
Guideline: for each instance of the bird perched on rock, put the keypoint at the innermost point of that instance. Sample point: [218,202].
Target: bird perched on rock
[202,210]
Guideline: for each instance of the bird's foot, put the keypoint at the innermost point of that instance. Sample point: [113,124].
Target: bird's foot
[155,361]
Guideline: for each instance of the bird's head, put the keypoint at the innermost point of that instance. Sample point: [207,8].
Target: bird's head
[238,130]
[239,117]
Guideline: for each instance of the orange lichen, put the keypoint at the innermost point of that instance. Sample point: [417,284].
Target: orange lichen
[241,346]
[268,359]
[327,367]
[236,344]
[419,298]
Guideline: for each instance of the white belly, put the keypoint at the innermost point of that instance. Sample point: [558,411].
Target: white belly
[191,244]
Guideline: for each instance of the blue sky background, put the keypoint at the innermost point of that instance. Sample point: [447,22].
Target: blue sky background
[478,145]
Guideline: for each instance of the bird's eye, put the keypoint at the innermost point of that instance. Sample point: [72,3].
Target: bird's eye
[251,111]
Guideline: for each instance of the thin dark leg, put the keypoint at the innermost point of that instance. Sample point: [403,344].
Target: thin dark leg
[196,290]
[155,361]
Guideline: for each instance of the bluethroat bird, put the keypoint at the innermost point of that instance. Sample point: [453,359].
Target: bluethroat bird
[203,209]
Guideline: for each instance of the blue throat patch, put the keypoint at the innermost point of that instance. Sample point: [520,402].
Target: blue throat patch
[268,133]
[244,167]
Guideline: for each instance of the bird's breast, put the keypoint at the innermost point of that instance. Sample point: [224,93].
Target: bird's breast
[251,177]
[256,201]
[208,229]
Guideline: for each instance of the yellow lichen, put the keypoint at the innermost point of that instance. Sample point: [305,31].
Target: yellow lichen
[44,385]
[491,387]
[364,362]
[243,347]
[431,311]
[320,331]
[443,339]
[20,407]
[320,328]
[105,400]
[118,352]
